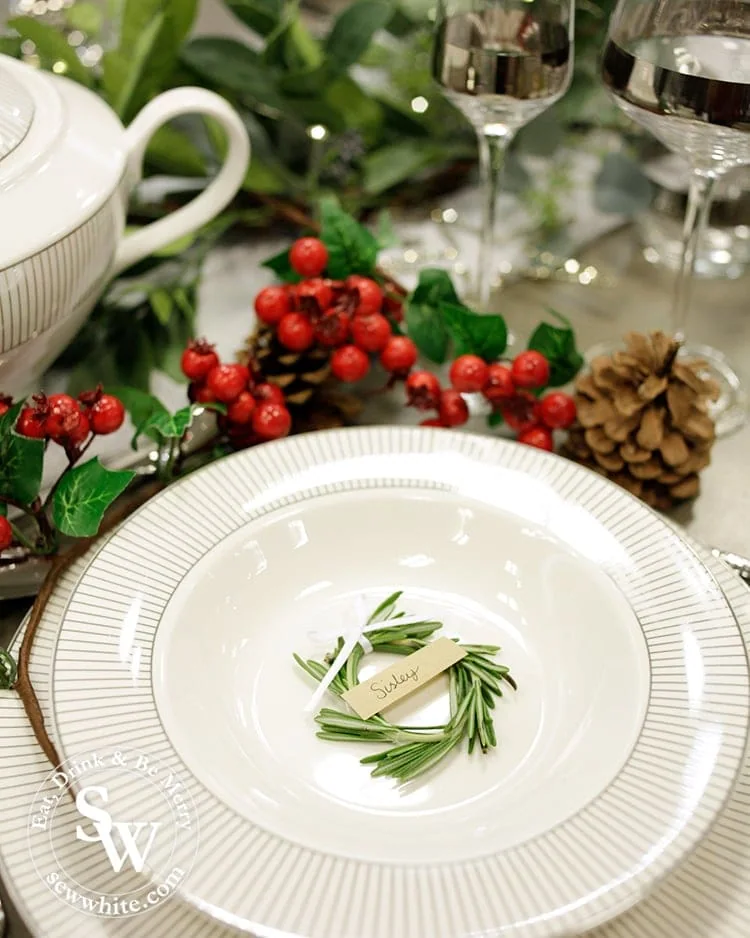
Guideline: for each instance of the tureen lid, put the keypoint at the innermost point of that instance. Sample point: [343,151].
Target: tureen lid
[62,156]
[16,113]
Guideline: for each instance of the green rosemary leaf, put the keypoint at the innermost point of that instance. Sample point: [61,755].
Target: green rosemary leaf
[490,727]
[386,606]
[511,681]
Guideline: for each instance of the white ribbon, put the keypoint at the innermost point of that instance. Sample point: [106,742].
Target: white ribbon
[353,635]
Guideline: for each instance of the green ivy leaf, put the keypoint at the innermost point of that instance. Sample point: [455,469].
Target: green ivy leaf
[166,426]
[425,321]
[21,460]
[282,267]
[51,47]
[475,334]
[558,344]
[84,494]
[142,408]
[494,419]
[352,249]
[353,30]
[3,510]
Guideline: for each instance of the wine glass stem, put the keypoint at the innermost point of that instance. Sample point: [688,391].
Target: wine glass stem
[493,145]
[696,220]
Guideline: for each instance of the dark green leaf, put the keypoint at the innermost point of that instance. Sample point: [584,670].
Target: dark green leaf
[3,510]
[171,151]
[161,303]
[21,461]
[281,266]
[151,34]
[425,322]
[352,249]
[83,495]
[353,30]
[262,16]
[51,47]
[621,187]
[357,109]
[475,334]
[392,164]
[21,464]
[236,67]
[142,408]
[11,45]
[558,344]
[494,419]
[165,425]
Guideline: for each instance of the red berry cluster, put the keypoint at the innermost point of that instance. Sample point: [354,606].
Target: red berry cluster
[66,420]
[508,389]
[255,410]
[350,316]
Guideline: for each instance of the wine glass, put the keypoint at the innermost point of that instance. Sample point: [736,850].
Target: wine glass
[501,63]
[681,69]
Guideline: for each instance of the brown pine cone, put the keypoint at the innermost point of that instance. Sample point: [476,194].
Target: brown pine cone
[643,420]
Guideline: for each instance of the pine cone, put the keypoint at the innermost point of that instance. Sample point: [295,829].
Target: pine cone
[313,396]
[643,420]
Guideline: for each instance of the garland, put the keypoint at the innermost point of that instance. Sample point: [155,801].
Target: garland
[474,684]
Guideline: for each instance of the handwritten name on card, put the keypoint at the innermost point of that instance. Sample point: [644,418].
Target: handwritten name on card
[401,679]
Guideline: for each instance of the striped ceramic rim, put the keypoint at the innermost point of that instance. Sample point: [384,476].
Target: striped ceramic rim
[705,897]
[587,869]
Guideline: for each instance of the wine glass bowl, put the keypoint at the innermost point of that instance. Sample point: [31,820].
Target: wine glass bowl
[501,64]
[681,69]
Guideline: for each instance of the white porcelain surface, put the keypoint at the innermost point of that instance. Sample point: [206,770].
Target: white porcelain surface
[649,812]
[706,897]
[568,634]
[65,183]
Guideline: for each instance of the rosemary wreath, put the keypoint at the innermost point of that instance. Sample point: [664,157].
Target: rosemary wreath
[474,683]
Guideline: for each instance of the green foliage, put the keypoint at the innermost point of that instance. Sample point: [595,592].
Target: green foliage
[352,249]
[475,334]
[559,345]
[84,494]
[21,461]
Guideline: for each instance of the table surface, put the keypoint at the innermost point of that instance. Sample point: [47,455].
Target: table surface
[632,295]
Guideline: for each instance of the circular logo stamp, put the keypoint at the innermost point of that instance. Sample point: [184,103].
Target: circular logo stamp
[113,832]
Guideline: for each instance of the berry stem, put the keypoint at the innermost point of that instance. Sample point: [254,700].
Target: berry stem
[74,456]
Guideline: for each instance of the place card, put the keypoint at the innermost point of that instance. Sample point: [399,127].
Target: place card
[402,678]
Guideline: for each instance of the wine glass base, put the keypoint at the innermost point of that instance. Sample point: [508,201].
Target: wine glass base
[730,410]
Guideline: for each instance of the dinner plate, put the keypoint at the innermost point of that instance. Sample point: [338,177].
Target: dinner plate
[615,755]
[705,898]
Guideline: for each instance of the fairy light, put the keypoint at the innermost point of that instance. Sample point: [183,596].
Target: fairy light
[419,104]
[317,132]
[60,67]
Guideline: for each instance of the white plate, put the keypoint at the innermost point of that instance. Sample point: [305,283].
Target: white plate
[705,898]
[615,756]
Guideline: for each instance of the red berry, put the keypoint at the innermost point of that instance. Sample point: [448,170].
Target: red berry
[271,304]
[469,373]
[530,369]
[308,257]
[6,533]
[453,410]
[5,404]
[198,359]
[240,411]
[399,354]
[557,410]
[316,290]
[393,308]
[107,414]
[422,390]
[371,332]
[31,423]
[226,382]
[370,296]
[79,428]
[519,411]
[200,394]
[349,364]
[499,386]
[431,422]
[62,412]
[332,329]
[295,332]
[540,437]
[271,420]
[269,392]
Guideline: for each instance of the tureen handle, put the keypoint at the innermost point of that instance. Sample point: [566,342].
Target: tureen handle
[215,197]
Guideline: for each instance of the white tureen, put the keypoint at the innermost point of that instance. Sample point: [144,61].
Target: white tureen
[67,168]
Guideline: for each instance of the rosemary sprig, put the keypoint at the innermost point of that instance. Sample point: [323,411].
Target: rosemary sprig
[475,683]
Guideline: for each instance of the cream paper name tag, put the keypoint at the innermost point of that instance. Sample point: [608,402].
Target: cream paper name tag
[401,679]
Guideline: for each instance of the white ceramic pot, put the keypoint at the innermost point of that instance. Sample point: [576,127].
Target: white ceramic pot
[67,168]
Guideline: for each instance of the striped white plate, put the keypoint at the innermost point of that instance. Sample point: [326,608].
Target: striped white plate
[706,897]
[310,856]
